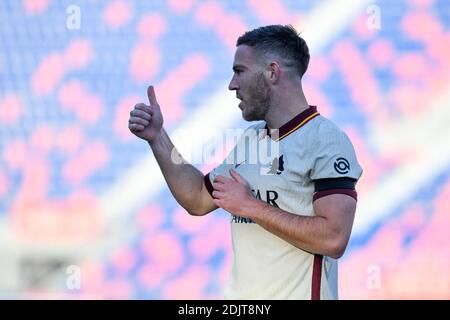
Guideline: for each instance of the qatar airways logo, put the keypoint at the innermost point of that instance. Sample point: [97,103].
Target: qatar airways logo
[268,196]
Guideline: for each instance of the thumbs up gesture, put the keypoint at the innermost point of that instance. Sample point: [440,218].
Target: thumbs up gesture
[146,121]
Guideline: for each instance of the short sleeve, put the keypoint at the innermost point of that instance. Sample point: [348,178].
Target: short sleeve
[223,169]
[228,163]
[236,155]
[335,159]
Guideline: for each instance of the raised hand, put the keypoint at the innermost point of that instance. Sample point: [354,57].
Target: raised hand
[146,121]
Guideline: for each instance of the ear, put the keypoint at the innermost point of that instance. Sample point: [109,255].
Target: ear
[273,72]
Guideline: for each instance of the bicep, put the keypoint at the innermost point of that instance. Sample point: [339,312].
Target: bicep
[338,210]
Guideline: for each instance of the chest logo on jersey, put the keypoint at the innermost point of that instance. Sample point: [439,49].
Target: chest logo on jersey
[270,196]
[239,219]
[341,166]
[277,167]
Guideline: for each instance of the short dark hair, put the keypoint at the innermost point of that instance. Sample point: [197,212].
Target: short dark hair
[283,41]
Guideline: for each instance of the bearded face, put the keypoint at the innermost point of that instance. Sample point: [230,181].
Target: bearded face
[255,96]
[250,84]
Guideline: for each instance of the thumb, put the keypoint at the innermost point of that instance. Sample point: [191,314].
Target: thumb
[236,176]
[151,96]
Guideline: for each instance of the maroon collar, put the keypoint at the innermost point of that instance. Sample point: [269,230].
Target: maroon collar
[295,123]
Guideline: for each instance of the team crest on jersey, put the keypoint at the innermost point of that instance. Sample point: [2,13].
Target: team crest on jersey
[277,167]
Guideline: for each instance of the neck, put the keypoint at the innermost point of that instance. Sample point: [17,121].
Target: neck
[284,107]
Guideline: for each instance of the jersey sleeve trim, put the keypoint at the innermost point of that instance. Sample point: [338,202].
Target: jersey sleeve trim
[349,192]
[208,184]
[334,183]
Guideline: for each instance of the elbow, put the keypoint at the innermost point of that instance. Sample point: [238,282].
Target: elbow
[337,248]
[336,254]
[196,212]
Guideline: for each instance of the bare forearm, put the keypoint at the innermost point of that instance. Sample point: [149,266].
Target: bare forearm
[184,180]
[310,233]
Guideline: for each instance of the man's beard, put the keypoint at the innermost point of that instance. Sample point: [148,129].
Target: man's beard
[257,104]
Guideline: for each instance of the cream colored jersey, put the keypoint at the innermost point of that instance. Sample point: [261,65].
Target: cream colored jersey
[308,149]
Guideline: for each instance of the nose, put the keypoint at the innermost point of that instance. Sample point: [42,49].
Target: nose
[233,84]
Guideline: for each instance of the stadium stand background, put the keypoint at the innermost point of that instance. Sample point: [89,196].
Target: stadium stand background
[84,210]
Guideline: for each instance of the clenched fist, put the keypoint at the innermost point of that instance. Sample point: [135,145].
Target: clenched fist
[146,121]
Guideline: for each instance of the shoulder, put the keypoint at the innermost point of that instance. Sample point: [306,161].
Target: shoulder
[325,132]
[331,151]
[323,125]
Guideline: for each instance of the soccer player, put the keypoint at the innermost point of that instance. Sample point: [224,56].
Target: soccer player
[291,218]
